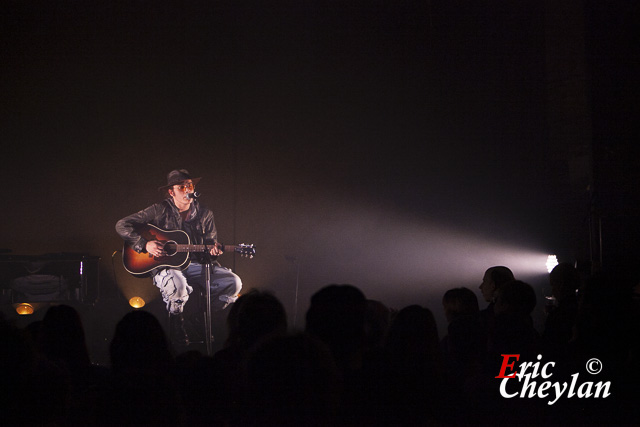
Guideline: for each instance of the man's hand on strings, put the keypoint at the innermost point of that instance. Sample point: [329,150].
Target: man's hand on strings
[155,248]
[216,250]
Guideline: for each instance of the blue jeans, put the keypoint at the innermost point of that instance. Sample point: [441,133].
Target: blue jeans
[175,286]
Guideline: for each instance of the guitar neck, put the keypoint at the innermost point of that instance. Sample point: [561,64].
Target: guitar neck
[203,248]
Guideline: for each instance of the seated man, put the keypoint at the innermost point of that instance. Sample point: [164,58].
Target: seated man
[181,211]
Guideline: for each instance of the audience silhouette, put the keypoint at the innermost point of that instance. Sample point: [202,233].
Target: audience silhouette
[494,278]
[357,362]
[464,346]
[254,318]
[291,381]
[565,281]
[412,369]
[140,390]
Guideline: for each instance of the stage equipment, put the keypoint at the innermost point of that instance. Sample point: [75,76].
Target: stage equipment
[56,278]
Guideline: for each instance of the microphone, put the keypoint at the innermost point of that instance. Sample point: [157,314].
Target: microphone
[193,195]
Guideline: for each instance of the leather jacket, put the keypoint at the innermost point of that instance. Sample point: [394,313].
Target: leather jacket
[200,225]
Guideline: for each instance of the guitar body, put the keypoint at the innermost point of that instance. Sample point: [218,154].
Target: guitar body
[141,264]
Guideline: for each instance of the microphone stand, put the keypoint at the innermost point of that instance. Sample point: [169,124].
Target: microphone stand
[207,316]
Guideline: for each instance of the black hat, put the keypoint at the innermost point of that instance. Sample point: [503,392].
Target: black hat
[177,177]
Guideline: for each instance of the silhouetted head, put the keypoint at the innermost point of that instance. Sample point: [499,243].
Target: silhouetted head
[254,316]
[413,336]
[565,280]
[459,302]
[336,315]
[62,338]
[515,297]
[140,345]
[493,279]
[377,319]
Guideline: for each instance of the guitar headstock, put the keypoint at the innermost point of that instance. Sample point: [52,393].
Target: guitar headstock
[245,250]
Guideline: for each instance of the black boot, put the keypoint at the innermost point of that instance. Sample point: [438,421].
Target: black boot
[178,332]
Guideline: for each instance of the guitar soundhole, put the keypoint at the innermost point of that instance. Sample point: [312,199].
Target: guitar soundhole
[170,248]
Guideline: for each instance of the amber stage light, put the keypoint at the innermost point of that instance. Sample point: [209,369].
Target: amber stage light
[136,302]
[24,309]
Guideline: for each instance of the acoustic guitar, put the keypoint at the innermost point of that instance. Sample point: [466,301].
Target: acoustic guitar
[177,246]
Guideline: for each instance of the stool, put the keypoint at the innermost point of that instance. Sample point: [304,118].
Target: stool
[197,320]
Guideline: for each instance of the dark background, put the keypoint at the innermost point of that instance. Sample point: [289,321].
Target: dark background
[400,146]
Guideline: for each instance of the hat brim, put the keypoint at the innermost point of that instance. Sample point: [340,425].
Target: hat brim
[166,187]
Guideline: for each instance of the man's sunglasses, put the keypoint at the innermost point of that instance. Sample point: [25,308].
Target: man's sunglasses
[183,187]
